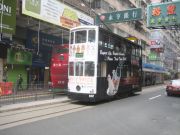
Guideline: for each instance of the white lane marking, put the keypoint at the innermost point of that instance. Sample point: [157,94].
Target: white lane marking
[154,97]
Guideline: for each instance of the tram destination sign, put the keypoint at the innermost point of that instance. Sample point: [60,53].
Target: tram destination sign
[120,16]
[163,15]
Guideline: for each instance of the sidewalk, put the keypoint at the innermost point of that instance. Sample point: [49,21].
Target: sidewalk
[12,107]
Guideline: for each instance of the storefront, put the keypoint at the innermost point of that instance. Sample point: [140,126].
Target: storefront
[152,74]
[49,26]
[41,55]
[8,28]
[34,31]
[17,62]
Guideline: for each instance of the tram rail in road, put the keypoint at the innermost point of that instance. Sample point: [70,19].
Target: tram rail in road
[27,115]
[19,117]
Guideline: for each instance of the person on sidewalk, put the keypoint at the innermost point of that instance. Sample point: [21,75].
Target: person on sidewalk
[19,82]
[34,81]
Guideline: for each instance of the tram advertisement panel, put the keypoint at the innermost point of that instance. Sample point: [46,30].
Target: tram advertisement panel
[115,60]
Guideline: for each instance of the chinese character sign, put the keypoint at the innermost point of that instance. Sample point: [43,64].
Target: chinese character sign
[120,16]
[164,14]
[152,56]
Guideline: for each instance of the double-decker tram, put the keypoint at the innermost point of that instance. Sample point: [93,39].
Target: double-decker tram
[102,64]
[59,67]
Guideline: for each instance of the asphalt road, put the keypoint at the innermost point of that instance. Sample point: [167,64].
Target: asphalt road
[150,112]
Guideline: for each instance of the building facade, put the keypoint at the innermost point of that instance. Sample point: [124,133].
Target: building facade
[35,35]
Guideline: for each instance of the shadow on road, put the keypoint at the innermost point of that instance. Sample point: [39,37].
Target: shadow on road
[119,97]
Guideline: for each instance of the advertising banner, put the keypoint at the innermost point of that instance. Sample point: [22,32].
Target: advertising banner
[6,88]
[45,41]
[8,16]
[19,57]
[156,43]
[42,53]
[163,14]
[55,12]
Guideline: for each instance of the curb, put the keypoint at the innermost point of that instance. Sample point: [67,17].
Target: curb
[152,86]
[14,107]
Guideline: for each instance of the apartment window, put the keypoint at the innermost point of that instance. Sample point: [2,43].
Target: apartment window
[96,4]
[105,5]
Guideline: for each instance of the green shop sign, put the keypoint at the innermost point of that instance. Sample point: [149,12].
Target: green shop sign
[19,57]
[8,16]
[152,56]
[120,16]
[164,14]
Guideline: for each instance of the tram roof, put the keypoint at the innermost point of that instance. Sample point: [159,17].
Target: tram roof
[84,27]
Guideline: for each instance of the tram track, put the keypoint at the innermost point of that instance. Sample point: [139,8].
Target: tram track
[32,109]
[8,120]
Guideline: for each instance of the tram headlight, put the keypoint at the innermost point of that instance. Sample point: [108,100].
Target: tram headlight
[78,88]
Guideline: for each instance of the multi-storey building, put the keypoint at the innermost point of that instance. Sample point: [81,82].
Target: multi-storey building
[29,25]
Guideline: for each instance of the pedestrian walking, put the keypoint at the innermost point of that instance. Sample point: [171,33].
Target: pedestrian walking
[19,82]
[34,81]
[4,78]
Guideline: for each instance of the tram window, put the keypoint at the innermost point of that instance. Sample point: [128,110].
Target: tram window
[100,43]
[91,37]
[103,69]
[133,51]
[105,45]
[71,68]
[72,37]
[114,43]
[109,46]
[138,51]
[134,71]
[123,71]
[89,68]
[123,48]
[80,36]
[112,47]
[105,40]
[79,69]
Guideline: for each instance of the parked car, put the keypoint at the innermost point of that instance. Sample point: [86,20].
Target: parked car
[173,88]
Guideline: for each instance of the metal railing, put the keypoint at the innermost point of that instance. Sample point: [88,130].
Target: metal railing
[27,93]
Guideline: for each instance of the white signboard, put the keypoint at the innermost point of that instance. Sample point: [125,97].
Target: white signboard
[55,12]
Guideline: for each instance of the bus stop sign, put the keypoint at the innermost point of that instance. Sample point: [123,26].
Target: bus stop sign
[120,16]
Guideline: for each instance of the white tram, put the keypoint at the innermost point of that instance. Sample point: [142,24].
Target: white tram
[102,64]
